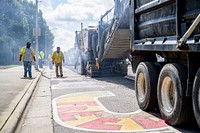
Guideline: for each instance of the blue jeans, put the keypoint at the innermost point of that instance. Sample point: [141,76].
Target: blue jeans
[40,63]
[27,68]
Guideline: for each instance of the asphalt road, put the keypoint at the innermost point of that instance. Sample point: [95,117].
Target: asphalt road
[108,104]
[80,104]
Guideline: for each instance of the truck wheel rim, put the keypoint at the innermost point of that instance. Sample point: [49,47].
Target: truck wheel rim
[141,87]
[168,94]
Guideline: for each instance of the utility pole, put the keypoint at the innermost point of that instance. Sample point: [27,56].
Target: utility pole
[36,35]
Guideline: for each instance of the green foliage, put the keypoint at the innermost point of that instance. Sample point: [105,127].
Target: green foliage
[17,20]
[7,66]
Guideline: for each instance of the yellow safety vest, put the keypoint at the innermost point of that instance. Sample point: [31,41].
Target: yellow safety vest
[23,50]
[41,55]
[57,57]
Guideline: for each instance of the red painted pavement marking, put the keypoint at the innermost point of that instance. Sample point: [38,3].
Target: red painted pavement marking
[148,123]
[100,124]
[85,114]
[71,116]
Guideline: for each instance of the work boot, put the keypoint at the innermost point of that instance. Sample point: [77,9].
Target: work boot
[61,75]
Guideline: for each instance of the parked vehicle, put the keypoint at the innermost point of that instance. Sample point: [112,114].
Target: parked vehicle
[103,50]
[162,37]
[170,29]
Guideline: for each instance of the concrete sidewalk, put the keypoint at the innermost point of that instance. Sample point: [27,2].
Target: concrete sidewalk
[38,114]
[15,92]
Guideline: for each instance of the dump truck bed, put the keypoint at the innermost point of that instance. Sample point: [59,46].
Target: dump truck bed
[119,46]
[158,25]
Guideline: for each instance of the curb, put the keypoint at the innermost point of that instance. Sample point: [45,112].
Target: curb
[12,121]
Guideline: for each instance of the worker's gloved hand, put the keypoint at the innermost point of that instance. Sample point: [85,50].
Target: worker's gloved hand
[34,59]
[20,57]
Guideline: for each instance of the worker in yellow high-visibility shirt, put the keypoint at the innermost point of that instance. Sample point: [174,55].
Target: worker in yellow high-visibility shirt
[41,58]
[57,59]
[27,56]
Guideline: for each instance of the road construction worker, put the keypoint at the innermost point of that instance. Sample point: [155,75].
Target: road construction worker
[27,56]
[41,58]
[50,61]
[57,59]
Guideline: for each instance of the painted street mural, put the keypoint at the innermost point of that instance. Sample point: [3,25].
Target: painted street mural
[84,111]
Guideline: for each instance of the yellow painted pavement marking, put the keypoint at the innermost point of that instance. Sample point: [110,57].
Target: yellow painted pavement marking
[83,111]
[127,124]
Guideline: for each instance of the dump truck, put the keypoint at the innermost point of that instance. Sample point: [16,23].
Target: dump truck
[103,50]
[162,39]
[83,46]
[168,29]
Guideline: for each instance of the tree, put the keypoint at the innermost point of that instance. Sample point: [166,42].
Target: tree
[17,20]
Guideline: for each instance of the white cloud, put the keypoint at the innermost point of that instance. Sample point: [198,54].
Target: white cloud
[66,17]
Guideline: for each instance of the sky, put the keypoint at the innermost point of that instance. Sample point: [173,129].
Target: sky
[64,17]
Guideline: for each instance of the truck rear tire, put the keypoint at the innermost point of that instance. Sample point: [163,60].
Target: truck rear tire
[94,71]
[173,104]
[196,97]
[146,85]
[80,66]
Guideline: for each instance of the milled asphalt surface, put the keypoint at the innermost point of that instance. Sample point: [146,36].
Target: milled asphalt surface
[15,94]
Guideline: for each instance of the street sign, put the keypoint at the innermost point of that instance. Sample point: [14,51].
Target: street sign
[36,32]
